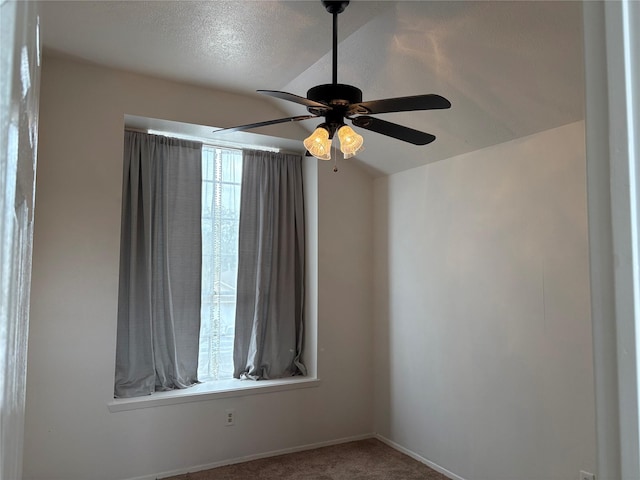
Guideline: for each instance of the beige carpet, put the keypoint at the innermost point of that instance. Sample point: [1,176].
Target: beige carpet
[362,460]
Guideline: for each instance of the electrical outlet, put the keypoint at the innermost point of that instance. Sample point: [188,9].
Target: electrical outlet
[586,476]
[230,420]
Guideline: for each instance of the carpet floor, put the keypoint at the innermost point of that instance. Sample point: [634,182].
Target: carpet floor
[368,459]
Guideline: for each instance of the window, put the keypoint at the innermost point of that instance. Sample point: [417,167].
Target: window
[221,177]
[187,257]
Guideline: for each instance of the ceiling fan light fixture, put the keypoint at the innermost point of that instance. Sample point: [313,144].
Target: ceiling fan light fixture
[351,143]
[319,144]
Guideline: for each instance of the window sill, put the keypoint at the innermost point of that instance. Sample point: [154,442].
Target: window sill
[211,391]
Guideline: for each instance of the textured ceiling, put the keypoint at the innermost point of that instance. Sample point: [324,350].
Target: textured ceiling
[510,69]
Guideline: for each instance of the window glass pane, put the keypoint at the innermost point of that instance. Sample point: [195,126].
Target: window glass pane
[221,177]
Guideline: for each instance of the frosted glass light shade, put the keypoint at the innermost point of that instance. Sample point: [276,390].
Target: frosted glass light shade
[350,142]
[319,144]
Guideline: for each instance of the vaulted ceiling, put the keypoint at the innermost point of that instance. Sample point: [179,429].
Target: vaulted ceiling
[510,69]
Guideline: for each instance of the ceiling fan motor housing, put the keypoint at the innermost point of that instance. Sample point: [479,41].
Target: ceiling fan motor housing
[339,97]
[335,95]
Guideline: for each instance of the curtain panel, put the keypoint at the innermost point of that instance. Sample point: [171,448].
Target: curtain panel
[271,268]
[160,265]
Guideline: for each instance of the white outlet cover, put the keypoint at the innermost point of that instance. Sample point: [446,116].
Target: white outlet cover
[230,417]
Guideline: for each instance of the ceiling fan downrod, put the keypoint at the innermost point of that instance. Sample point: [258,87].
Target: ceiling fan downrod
[335,8]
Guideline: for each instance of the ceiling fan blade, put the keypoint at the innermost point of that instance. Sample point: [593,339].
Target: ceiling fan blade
[401,104]
[394,130]
[264,124]
[294,98]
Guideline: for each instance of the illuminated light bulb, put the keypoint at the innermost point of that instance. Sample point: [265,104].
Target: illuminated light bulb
[350,142]
[319,144]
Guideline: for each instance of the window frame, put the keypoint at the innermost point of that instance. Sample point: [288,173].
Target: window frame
[212,390]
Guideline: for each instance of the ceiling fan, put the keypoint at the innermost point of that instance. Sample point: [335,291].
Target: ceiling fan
[337,102]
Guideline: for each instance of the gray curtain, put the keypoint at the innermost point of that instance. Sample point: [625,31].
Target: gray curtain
[160,265]
[271,268]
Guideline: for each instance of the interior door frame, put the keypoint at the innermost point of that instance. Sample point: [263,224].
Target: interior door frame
[20,60]
[612,76]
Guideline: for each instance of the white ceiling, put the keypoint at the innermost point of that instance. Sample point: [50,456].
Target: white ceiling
[510,69]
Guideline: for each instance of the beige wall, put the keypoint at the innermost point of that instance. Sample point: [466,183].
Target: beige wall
[483,330]
[70,434]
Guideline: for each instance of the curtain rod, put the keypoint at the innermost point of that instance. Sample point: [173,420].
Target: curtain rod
[210,142]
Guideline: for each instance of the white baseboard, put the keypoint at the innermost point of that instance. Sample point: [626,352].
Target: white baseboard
[248,458]
[419,458]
